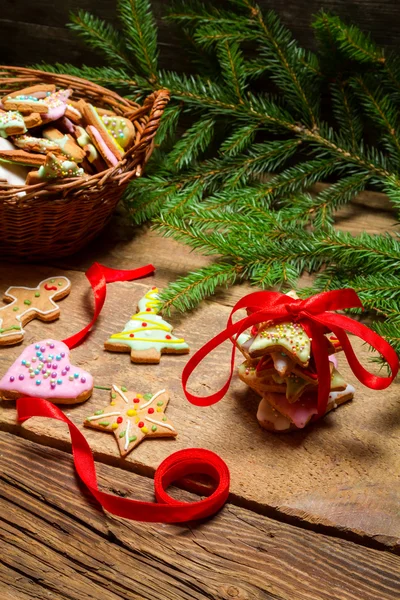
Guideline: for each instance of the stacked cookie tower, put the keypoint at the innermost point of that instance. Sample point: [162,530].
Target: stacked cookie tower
[48,135]
[280,367]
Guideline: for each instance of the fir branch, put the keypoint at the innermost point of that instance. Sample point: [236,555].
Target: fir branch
[301,176]
[241,138]
[346,113]
[101,36]
[284,57]
[232,67]
[168,124]
[187,292]
[140,30]
[335,196]
[193,142]
[380,108]
[354,44]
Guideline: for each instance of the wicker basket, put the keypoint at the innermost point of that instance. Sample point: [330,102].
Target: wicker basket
[58,219]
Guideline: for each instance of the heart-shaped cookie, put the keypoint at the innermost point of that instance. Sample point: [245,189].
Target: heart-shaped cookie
[43,370]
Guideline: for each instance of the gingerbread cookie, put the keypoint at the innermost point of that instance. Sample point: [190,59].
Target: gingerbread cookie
[43,370]
[54,167]
[74,114]
[11,173]
[56,105]
[104,150]
[121,129]
[20,157]
[298,414]
[41,90]
[65,144]
[84,141]
[93,119]
[29,143]
[132,417]
[287,337]
[146,335]
[24,104]
[32,120]
[11,123]
[26,304]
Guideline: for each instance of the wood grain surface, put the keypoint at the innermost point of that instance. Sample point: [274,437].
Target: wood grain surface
[31,32]
[313,476]
[57,543]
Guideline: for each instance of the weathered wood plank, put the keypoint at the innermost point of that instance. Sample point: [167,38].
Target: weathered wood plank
[360,441]
[57,543]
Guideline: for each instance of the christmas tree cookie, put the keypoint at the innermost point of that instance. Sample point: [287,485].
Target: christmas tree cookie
[25,304]
[132,417]
[146,335]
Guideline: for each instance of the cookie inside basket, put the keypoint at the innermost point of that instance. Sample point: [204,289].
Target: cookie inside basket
[51,133]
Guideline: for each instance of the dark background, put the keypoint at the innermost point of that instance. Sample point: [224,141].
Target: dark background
[31,32]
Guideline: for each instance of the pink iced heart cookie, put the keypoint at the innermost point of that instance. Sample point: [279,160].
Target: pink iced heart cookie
[43,370]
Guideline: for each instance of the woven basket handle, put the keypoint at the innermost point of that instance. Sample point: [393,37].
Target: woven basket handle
[158,100]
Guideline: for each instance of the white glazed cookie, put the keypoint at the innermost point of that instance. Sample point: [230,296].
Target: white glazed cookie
[132,417]
[147,335]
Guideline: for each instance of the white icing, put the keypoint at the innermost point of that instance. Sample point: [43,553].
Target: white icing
[9,172]
[31,307]
[282,362]
[159,423]
[121,393]
[128,425]
[267,414]
[333,396]
[153,334]
[151,399]
[96,417]
[291,337]
[242,339]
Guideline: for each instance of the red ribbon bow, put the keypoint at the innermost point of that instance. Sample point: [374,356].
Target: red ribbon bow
[315,316]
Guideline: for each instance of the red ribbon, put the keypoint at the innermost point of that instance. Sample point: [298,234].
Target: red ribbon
[315,316]
[98,276]
[178,465]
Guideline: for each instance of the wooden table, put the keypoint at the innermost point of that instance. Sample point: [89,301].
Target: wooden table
[312,515]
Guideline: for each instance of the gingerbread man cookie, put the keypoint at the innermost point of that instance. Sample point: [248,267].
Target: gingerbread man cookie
[146,335]
[131,417]
[26,304]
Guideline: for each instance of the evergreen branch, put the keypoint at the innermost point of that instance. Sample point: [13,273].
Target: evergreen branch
[301,176]
[233,69]
[354,44]
[101,36]
[335,196]
[209,244]
[346,113]
[380,108]
[241,138]
[283,56]
[168,123]
[208,35]
[187,292]
[141,38]
[193,142]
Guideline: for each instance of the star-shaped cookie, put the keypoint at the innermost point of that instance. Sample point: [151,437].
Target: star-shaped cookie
[131,417]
